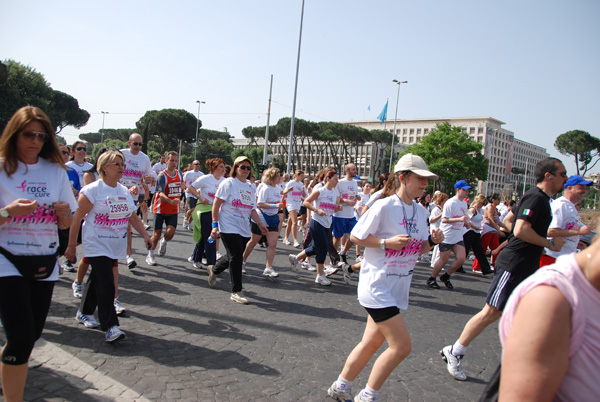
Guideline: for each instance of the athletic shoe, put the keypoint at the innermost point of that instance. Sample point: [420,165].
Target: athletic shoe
[146,226]
[293,262]
[330,270]
[150,260]
[347,274]
[341,395]
[77,289]
[119,309]
[244,268]
[322,280]
[432,283]
[471,257]
[219,255]
[461,270]
[68,266]
[194,263]
[286,242]
[308,266]
[296,244]
[238,297]
[184,224]
[446,279]
[343,256]
[87,320]
[359,258]
[212,278]
[114,334]
[453,363]
[270,272]
[162,247]
[131,262]
[363,396]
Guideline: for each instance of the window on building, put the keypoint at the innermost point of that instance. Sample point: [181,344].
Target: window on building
[404,140]
[480,130]
[418,131]
[463,130]
[472,130]
[411,140]
[404,131]
[412,131]
[426,131]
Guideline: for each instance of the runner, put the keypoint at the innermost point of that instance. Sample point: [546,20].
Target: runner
[78,163]
[344,220]
[295,192]
[190,199]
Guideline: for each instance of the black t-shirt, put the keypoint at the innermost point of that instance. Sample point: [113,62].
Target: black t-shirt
[519,255]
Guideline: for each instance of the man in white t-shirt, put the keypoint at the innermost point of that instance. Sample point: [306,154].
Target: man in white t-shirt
[190,200]
[344,220]
[135,175]
[566,221]
[160,165]
[455,221]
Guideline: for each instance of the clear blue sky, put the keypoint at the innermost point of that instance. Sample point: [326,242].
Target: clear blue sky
[532,64]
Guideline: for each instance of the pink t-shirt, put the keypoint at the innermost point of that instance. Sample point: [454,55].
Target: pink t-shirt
[581,380]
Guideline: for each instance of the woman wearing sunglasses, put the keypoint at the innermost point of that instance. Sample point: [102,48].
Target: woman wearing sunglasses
[79,152]
[35,201]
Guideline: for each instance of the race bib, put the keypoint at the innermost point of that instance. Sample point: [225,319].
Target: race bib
[246,196]
[174,190]
[118,207]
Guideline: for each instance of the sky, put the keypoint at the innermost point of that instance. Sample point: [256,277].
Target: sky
[531,64]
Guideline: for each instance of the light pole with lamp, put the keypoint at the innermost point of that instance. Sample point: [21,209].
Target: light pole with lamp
[395,119]
[197,127]
[102,137]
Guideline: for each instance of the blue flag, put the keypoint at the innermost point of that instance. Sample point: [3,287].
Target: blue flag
[383,115]
[369,108]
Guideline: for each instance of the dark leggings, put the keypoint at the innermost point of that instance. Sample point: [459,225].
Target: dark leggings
[472,241]
[24,307]
[235,245]
[319,245]
[203,246]
[100,291]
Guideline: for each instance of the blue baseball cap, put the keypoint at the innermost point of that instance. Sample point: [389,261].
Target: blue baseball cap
[462,184]
[576,179]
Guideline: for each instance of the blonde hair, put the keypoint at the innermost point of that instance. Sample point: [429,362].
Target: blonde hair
[269,176]
[107,158]
[479,198]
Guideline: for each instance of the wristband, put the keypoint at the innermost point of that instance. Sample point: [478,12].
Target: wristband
[273,206]
[215,224]
[431,243]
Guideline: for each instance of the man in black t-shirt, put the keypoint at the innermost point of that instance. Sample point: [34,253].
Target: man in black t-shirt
[519,259]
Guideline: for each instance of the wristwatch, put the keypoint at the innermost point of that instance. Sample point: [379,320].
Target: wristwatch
[382,244]
[4,213]
[550,243]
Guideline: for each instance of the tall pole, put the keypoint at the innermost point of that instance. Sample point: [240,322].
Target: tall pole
[102,137]
[197,127]
[395,119]
[289,164]
[268,119]
[525,176]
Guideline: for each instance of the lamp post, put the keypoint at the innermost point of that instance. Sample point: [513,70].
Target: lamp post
[197,127]
[102,137]
[289,164]
[395,119]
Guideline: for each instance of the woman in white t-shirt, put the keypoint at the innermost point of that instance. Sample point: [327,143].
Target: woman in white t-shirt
[295,192]
[78,163]
[36,199]
[233,207]
[435,218]
[472,237]
[393,232]
[107,208]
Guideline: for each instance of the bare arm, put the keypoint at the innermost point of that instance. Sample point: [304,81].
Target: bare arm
[556,232]
[85,206]
[525,232]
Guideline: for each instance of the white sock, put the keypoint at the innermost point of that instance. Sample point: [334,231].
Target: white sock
[150,253]
[458,349]
[370,391]
[342,383]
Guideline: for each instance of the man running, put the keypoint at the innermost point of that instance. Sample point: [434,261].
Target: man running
[190,200]
[344,220]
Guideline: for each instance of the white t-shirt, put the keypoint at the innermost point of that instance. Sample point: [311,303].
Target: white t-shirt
[294,197]
[270,195]
[136,167]
[105,226]
[374,197]
[189,177]
[476,219]
[385,275]
[348,190]
[80,169]
[565,216]
[37,233]
[159,167]
[360,204]
[239,201]
[487,228]
[436,211]
[152,187]
[326,201]
[207,185]
[453,232]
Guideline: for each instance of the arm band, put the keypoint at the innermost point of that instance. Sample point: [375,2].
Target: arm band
[273,206]
[216,225]
[431,243]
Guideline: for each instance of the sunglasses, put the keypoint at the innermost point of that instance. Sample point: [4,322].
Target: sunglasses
[245,167]
[65,152]
[81,149]
[195,164]
[137,143]
[30,135]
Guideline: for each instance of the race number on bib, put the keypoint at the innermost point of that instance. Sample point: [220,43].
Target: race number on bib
[118,207]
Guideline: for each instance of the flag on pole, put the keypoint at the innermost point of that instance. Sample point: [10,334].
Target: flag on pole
[369,108]
[383,115]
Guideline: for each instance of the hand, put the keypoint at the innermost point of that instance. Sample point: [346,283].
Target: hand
[496,251]
[585,230]
[320,212]
[214,233]
[558,243]
[174,202]
[21,207]
[263,229]
[61,208]
[437,236]
[279,205]
[350,202]
[147,179]
[134,191]
[71,252]
[204,201]
[149,243]
[397,242]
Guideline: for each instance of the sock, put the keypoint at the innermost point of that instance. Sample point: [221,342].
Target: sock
[458,349]
[150,253]
[344,384]
[370,391]
[350,270]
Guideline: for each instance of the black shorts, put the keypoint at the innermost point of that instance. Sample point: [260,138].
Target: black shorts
[382,314]
[254,229]
[502,286]
[302,210]
[448,246]
[63,240]
[169,219]
[191,202]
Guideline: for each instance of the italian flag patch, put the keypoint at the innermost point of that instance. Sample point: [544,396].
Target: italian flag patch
[527,212]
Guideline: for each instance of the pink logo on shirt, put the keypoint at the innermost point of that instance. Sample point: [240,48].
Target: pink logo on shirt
[104,220]
[412,248]
[237,203]
[23,186]
[42,215]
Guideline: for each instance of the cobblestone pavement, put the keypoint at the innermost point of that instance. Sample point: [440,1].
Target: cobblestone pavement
[186,341]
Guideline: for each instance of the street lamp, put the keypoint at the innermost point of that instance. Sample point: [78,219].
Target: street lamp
[197,127]
[102,137]
[395,119]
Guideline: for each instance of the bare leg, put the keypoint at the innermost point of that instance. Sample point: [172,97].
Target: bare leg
[461,255]
[82,269]
[254,238]
[478,323]
[444,257]
[272,248]
[361,354]
[13,381]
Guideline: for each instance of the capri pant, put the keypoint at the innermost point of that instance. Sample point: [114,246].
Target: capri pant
[319,244]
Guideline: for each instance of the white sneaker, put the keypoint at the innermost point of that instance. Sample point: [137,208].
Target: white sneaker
[270,272]
[219,255]
[77,289]
[286,242]
[347,274]
[296,244]
[162,247]
[453,363]
[87,320]
[308,266]
[114,334]
[68,266]
[131,262]
[330,270]
[340,394]
[150,260]
[184,224]
[293,262]
[146,226]
[322,280]
[244,268]
[238,297]
[119,309]
[194,263]
[359,258]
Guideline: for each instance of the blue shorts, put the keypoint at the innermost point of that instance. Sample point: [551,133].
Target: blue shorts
[342,226]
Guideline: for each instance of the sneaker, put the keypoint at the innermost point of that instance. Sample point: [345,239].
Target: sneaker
[308,266]
[219,255]
[244,268]
[286,242]
[150,260]
[77,289]
[446,279]
[87,320]
[68,266]
[296,244]
[343,256]
[131,262]
[359,258]
[114,334]
[162,247]
[184,224]
[461,270]
[146,226]
[330,270]
[322,280]
[270,272]
[348,278]
[339,394]
[212,278]
[453,363]
[347,274]
[293,262]
[364,397]
[238,297]
[194,263]
[119,309]
[432,283]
